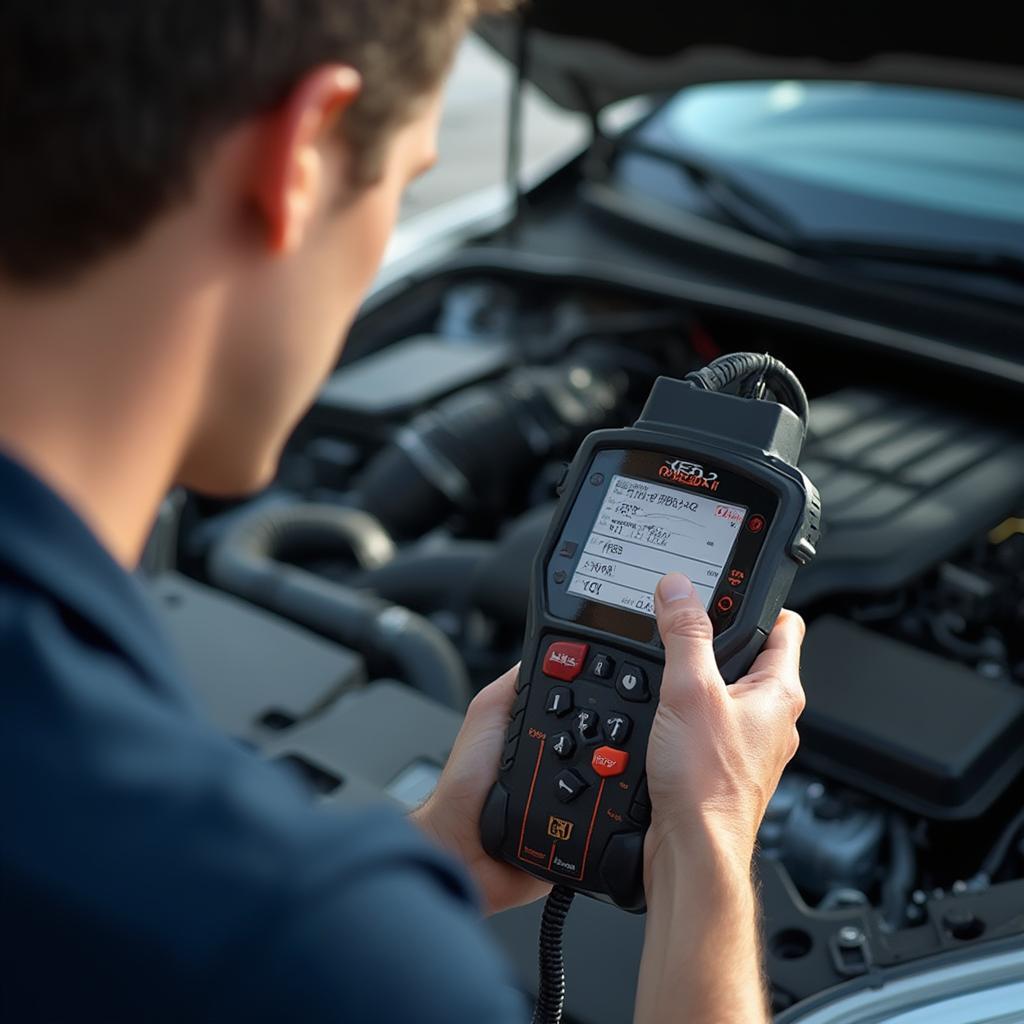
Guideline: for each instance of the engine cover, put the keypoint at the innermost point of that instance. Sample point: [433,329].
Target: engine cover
[915,729]
[903,485]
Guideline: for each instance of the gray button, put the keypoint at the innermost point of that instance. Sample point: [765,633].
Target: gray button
[632,684]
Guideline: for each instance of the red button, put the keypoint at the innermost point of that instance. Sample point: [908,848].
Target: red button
[565,661]
[755,524]
[725,604]
[608,761]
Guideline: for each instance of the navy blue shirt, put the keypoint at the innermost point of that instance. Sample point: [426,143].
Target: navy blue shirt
[153,870]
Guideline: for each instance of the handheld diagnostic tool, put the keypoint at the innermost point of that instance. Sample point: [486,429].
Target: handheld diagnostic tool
[705,484]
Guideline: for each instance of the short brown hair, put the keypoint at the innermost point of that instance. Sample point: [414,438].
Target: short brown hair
[105,105]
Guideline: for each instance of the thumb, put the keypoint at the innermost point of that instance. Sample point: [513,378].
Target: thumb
[687,634]
[494,701]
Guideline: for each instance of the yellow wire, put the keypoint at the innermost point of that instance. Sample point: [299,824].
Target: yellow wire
[1006,529]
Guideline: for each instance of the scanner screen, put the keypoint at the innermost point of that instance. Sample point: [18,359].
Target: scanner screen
[645,530]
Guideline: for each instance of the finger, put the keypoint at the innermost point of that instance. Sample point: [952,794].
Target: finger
[776,702]
[486,718]
[687,635]
[775,675]
[780,656]
[496,698]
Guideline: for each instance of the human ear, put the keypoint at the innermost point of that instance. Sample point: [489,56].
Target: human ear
[290,149]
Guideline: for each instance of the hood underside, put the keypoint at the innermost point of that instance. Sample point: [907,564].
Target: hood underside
[587,54]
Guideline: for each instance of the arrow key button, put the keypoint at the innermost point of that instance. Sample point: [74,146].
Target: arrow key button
[559,701]
[569,785]
[563,745]
[587,723]
[618,727]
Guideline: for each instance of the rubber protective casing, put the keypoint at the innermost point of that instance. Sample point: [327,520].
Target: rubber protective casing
[756,440]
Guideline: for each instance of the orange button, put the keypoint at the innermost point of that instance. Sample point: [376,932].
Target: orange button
[608,761]
[725,604]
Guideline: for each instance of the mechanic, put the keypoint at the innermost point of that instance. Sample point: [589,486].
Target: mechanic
[194,196]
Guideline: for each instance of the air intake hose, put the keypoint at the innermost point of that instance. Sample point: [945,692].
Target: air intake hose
[477,450]
[247,562]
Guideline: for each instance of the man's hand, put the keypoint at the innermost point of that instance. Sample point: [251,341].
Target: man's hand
[452,814]
[716,753]
[713,761]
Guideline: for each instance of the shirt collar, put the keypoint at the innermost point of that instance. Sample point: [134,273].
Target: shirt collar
[48,547]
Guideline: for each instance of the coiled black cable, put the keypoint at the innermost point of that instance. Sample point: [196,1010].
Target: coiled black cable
[551,990]
[760,369]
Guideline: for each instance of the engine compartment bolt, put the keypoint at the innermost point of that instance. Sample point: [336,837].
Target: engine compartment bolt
[963,924]
[850,936]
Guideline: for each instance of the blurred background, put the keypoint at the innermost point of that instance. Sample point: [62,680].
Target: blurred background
[474,131]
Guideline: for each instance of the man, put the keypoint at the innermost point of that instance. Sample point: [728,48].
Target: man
[194,195]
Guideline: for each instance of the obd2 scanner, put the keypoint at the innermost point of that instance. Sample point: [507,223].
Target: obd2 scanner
[705,484]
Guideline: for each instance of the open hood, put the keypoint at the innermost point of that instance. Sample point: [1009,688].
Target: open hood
[587,54]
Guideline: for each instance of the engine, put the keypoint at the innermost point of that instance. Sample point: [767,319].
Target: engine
[412,498]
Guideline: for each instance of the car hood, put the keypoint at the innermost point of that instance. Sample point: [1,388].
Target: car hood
[587,54]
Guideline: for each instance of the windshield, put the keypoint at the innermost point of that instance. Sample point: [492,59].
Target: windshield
[849,161]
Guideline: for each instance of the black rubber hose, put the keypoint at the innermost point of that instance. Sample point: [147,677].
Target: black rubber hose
[477,450]
[428,579]
[902,870]
[292,532]
[739,366]
[492,576]
[501,585]
[999,852]
[551,989]
[245,562]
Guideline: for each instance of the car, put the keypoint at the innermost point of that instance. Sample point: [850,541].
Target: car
[840,187]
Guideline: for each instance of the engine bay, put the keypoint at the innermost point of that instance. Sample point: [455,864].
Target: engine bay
[412,497]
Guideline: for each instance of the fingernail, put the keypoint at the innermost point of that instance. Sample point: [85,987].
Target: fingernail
[675,587]
[348,78]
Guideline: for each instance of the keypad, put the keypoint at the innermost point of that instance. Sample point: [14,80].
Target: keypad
[583,747]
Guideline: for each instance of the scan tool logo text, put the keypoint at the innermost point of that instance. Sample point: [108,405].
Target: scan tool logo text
[688,474]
